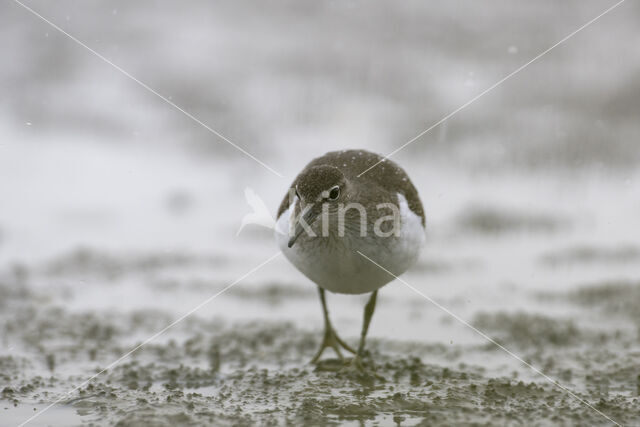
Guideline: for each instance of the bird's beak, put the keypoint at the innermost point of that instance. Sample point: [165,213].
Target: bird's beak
[304,221]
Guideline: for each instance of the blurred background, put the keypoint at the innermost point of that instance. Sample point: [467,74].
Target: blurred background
[118,213]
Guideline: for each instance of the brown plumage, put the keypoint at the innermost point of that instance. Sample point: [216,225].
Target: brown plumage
[337,166]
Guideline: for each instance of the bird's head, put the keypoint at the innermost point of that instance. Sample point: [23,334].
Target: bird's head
[315,187]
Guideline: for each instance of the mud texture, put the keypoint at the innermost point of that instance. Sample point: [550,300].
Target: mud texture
[212,372]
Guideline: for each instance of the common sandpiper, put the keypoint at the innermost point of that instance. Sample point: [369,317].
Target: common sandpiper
[333,214]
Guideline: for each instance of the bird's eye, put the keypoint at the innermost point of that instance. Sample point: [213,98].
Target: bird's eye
[334,193]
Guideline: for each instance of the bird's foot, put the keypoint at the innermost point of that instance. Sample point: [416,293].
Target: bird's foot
[361,370]
[331,339]
[355,368]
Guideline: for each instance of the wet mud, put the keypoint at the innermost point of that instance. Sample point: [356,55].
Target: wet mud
[215,372]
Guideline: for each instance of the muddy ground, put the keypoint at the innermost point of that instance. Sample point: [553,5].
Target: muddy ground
[215,372]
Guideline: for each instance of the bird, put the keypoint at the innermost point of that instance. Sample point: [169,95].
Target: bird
[340,214]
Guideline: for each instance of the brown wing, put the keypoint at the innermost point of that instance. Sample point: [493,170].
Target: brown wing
[284,205]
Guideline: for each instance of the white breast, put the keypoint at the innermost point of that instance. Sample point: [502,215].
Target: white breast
[339,268]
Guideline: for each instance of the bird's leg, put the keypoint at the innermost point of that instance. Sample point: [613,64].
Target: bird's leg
[330,339]
[368,314]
